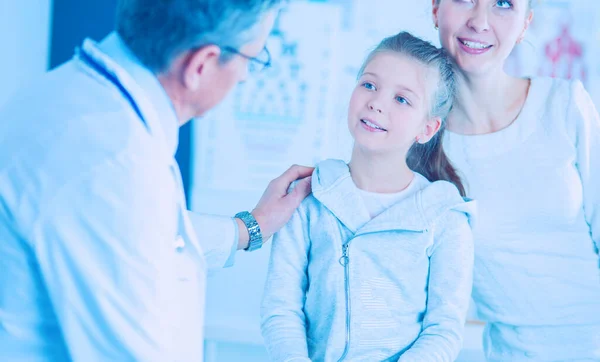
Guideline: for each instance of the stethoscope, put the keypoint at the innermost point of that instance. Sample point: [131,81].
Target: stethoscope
[86,58]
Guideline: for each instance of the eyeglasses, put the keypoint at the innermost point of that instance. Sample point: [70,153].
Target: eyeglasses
[256,64]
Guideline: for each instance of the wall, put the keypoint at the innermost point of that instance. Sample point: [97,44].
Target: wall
[24,34]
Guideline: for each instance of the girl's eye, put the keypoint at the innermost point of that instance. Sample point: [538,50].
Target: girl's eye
[369,86]
[401,100]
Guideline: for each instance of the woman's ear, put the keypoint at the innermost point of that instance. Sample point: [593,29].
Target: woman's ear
[528,21]
[431,128]
[434,13]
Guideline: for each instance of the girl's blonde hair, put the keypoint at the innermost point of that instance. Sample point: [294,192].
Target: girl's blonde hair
[427,159]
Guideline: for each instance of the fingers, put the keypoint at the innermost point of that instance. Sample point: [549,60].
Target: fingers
[300,191]
[292,174]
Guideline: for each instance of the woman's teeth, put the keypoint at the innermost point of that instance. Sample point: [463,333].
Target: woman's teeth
[475,45]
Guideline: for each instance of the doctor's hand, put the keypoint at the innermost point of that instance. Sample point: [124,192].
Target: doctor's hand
[276,205]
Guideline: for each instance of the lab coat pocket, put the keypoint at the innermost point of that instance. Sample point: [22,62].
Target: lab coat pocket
[186,268]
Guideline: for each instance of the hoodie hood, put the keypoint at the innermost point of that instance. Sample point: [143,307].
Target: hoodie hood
[333,187]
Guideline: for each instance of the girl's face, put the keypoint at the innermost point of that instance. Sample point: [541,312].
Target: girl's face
[481,34]
[389,108]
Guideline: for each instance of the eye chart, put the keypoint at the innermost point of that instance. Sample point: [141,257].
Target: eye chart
[280,116]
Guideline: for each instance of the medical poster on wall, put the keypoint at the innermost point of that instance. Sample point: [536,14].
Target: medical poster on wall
[563,41]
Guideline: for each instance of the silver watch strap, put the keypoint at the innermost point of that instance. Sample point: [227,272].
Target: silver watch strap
[256,239]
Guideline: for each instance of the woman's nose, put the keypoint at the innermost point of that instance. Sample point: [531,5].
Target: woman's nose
[479,19]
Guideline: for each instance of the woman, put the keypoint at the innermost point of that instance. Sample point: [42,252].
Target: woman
[529,151]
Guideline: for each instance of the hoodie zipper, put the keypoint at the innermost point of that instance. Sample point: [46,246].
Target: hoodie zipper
[345,262]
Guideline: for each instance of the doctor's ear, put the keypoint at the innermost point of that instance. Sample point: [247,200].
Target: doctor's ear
[200,64]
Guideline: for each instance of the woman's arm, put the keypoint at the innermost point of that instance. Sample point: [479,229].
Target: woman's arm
[583,113]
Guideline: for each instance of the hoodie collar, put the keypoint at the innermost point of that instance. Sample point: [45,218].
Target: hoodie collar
[334,188]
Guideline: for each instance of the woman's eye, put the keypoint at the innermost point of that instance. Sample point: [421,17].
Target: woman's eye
[504,4]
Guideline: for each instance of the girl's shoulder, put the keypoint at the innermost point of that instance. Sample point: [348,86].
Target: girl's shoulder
[438,198]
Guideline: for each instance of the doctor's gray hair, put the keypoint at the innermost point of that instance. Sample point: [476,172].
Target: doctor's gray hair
[428,159]
[157,31]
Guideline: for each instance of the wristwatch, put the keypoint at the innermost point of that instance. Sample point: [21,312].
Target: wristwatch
[256,239]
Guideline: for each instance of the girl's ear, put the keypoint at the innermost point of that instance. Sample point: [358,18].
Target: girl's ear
[431,128]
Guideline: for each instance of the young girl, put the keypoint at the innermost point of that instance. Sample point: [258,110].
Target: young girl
[376,264]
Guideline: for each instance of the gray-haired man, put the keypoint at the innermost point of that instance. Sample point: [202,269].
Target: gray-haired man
[101,261]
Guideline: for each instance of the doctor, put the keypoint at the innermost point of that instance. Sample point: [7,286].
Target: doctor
[100,259]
